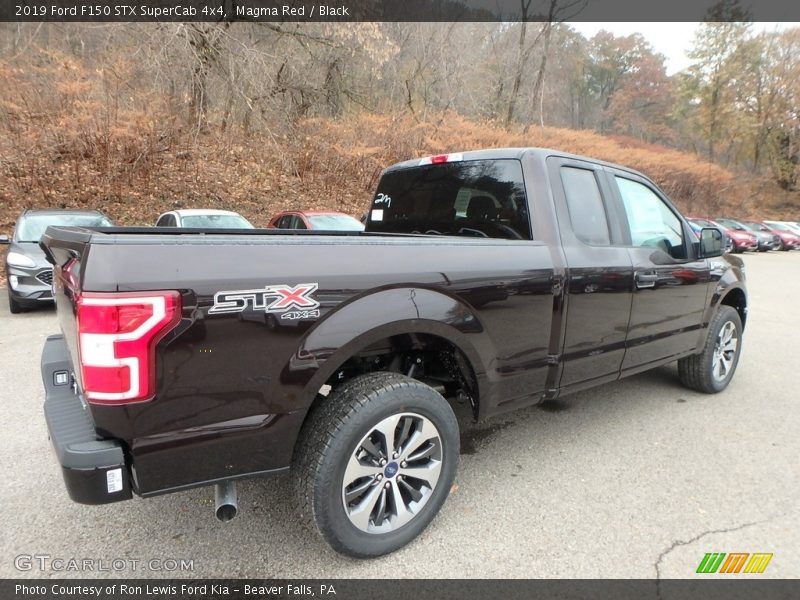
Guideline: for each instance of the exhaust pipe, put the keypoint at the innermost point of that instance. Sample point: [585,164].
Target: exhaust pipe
[227,500]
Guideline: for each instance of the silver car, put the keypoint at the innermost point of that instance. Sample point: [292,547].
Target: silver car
[30,276]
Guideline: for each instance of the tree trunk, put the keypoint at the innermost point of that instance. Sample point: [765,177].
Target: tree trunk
[538,86]
[512,102]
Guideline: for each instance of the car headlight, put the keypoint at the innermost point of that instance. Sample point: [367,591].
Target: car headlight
[15,259]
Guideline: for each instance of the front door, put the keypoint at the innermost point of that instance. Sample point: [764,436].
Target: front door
[670,283]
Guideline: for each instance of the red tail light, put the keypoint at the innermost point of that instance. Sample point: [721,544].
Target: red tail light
[117,337]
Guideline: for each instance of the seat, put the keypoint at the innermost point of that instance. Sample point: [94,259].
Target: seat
[482,208]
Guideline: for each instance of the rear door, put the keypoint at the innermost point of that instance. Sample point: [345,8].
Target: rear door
[599,276]
[670,283]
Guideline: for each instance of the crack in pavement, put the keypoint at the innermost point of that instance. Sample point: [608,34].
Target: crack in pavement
[679,543]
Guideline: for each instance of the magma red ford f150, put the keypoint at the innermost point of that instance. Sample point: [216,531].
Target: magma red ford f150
[501,278]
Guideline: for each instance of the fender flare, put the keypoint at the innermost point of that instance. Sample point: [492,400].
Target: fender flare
[354,326]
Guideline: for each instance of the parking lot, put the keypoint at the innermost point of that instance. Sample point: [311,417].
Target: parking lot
[638,478]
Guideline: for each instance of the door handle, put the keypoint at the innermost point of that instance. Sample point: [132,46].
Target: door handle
[646,279]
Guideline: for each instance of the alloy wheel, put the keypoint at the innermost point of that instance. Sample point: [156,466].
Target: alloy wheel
[725,350]
[392,473]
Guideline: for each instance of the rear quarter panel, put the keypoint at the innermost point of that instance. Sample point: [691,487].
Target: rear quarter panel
[233,389]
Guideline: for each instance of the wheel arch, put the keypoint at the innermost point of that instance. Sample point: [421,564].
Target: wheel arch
[432,317]
[736,298]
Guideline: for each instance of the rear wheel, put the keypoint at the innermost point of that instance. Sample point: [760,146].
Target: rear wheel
[712,370]
[375,463]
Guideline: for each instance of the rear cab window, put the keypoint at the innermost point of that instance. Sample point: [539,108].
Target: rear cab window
[585,206]
[479,198]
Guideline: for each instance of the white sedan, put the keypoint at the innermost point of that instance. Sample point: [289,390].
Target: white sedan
[202,218]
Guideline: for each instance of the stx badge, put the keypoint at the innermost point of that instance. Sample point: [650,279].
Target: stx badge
[271,299]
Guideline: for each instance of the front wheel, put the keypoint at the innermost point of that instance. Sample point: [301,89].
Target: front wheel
[14,307]
[712,370]
[375,462]
[729,245]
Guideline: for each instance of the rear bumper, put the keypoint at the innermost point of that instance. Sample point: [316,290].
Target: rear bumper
[94,469]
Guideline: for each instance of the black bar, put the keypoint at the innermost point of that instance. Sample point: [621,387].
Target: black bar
[735,587]
[300,11]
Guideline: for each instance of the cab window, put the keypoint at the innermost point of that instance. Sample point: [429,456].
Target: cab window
[478,198]
[585,205]
[652,223]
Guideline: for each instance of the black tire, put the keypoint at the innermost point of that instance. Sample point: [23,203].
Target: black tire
[698,372]
[14,307]
[335,435]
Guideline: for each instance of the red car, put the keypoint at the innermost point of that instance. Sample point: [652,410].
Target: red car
[789,240]
[743,241]
[315,219]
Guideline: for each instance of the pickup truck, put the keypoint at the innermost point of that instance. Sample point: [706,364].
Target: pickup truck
[496,279]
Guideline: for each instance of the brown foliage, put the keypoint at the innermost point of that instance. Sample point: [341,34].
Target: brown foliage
[352,151]
[74,138]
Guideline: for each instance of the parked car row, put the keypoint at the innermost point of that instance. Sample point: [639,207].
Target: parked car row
[291,219]
[748,235]
[30,276]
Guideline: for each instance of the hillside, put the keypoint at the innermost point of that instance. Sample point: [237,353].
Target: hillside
[136,168]
[136,173]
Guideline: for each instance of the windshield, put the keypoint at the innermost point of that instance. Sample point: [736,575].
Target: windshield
[216,222]
[31,227]
[480,198]
[755,226]
[703,223]
[335,223]
[731,224]
[781,227]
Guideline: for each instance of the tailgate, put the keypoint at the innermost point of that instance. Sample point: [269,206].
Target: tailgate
[67,249]
[93,468]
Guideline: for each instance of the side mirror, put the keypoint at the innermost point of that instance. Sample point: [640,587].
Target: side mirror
[711,243]
[4,239]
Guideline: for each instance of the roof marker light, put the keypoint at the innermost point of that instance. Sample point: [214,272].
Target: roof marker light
[439,159]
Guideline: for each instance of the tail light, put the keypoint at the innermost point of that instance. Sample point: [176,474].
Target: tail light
[117,337]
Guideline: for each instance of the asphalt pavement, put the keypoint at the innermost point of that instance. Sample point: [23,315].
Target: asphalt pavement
[638,478]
